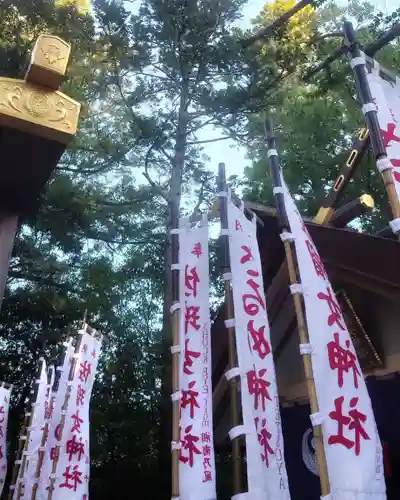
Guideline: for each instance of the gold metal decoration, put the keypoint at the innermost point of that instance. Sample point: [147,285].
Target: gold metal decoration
[48,62]
[38,110]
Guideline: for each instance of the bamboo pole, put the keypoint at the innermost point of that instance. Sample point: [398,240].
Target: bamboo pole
[18,456]
[290,253]
[237,469]
[371,117]
[19,472]
[45,432]
[176,354]
[63,413]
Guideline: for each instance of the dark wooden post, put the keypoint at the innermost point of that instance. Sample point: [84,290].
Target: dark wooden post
[36,123]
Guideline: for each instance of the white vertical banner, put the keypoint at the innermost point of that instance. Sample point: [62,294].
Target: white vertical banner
[4,407]
[386,95]
[35,432]
[196,457]
[266,470]
[352,445]
[73,467]
[53,420]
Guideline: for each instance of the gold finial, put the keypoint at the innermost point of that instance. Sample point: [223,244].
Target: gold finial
[49,61]
[367,201]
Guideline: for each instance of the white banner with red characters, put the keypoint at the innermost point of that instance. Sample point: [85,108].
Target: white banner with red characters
[35,433]
[386,96]
[266,470]
[53,420]
[196,458]
[352,445]
[73,468]
[4,407]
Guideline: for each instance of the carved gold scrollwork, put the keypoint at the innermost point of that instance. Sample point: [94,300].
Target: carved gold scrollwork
[10,96]
[38,105]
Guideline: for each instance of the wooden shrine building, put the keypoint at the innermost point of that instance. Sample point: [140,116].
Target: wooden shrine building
[365,273]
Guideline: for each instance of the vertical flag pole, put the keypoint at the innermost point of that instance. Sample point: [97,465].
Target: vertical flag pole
[369,109]
[233,384]
[301,322]
[175,350]
[19,474]
[63,413]
[46,427]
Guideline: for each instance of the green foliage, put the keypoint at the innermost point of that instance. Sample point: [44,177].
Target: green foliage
[317,122]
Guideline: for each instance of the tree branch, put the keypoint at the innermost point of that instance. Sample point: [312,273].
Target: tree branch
[209,140]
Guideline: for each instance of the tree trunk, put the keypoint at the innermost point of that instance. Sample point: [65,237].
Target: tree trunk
[165,428]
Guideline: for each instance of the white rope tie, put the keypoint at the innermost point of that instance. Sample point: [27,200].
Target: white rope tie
[223,194]
[316,419]
[395,225]
[227,276]
[278,190]
[176,396]
[306,349]
[286,236]
[272,152]
[224,232]
[229,323]
[241,496]
[175,445]
[175,231]
[327,497]
[175,307]
[237,431]
[296,288]
[175,349]
[232,373]
[176,267]
[357,61]
[384,164]
[368,107]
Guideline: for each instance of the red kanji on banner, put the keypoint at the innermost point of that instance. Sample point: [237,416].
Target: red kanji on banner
[191,317]
[247,254]
[342,359]
[316,260]
[191,281]
[77,421]
[238,226]
[258,387]
[389,135]
[188,443]
[80,395]
[260,343]
[207,476]
[263,438]
[75,447]
[250,307]
[205,437]
[85,371]
[197,250]
[189,398]
[354,422]
[206,450]
[188,358]
[336,313]
[74,477]
[207,462]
